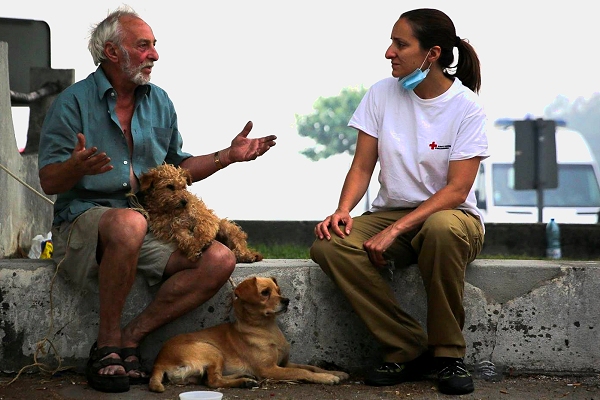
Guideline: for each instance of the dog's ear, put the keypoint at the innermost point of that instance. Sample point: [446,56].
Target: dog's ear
[274,280]
[146,181]
[245,289]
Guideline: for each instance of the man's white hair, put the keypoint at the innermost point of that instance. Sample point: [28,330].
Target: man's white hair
[108,30]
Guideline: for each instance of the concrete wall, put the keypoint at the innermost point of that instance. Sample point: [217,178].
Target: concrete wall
[525,316]
[23,213]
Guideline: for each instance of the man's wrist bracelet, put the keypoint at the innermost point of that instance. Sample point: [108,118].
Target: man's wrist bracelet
[217,160]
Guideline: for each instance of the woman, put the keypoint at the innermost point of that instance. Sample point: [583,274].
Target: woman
[426,127]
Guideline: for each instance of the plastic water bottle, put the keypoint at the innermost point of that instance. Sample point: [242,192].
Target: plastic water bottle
[553,240]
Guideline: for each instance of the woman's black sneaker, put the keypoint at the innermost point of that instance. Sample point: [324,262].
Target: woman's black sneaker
[453,377]
[389,373]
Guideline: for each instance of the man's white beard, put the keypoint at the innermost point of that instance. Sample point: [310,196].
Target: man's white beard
[135,73]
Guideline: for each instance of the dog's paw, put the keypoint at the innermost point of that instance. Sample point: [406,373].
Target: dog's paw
[248,257]
[329,379]
[250,384]
[340,374]
[155,385]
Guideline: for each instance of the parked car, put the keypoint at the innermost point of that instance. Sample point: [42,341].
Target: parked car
[576,200]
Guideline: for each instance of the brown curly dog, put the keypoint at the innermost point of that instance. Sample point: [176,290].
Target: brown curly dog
[175,214]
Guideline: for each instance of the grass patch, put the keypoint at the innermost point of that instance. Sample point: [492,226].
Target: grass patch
[295,252]
[289,251]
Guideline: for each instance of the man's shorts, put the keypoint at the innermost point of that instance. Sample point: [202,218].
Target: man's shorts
[75,251]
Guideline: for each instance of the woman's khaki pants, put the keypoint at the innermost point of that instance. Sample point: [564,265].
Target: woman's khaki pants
[442,247]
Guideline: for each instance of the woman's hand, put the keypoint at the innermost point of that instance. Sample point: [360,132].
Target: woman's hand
[334,221]
[378,244]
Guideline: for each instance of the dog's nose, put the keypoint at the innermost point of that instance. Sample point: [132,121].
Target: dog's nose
[285,301]
[183,203]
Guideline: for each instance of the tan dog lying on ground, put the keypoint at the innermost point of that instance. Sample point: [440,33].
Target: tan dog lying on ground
[239,353]
[176,214]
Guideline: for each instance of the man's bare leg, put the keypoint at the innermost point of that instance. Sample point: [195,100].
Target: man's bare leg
[121,234]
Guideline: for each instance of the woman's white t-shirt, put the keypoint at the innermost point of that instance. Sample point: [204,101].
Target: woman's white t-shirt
[417,138]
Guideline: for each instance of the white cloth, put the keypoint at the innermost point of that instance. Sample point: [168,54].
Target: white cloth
[417,138]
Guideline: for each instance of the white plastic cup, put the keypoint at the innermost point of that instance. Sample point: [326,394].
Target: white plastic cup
[200,395]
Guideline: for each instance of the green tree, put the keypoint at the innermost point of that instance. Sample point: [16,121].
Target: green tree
[327,124]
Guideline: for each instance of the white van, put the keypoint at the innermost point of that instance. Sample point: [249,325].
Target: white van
[576,200]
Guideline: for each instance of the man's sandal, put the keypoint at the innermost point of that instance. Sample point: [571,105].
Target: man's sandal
[134,365]
[96,362]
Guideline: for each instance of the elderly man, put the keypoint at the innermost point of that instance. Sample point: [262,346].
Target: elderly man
[98,137]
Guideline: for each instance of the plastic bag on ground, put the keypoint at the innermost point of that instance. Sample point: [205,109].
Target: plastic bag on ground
[41,246]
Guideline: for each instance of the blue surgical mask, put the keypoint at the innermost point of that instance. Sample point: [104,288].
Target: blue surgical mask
[410,81]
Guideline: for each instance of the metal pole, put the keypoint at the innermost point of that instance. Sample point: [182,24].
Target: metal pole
[538,165]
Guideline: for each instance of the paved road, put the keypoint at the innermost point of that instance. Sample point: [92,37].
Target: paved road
[73,387]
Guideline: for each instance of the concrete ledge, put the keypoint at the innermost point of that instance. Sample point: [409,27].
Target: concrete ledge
[529,316]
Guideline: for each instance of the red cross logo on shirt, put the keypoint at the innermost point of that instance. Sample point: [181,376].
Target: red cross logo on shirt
[433,145]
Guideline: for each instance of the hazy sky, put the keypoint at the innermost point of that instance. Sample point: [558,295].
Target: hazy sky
[224,63]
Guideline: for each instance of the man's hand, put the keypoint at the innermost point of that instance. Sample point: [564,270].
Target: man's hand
[86,161]
[244,149]
[62,176]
